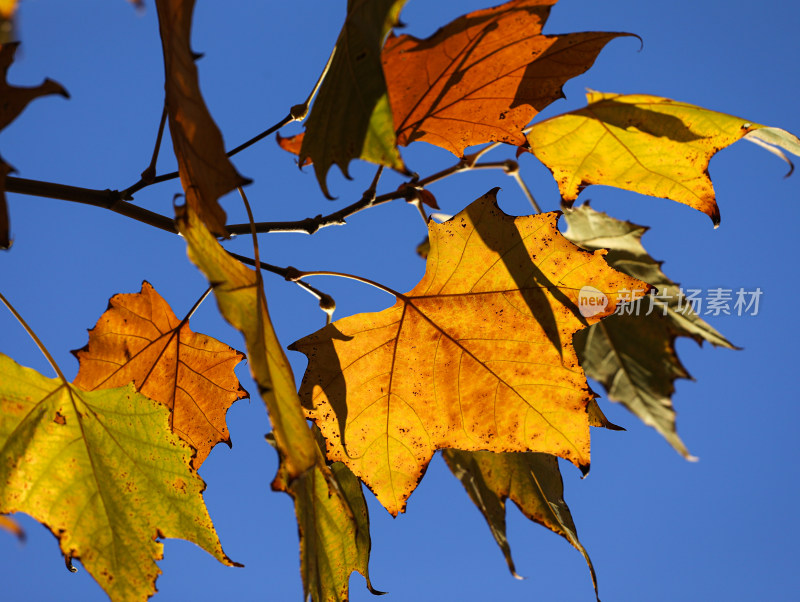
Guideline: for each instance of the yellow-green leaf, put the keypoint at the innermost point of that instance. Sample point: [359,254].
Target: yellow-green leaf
[334,530]
[647,144]
[351,117]
[104,472]
[532,481]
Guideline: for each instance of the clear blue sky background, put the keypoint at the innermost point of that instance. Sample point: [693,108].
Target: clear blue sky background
[658,528]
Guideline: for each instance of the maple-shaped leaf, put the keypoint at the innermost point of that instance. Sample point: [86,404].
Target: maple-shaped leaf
[484,76]
[13,100]
[532,481]
[103,471]
[139,340]
[647,144]
[205,170]
[633,354]
[478,356]
[334,532]
[351,117]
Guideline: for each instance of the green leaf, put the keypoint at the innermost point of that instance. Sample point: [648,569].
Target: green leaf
[530,480]
[351,117]
[104,472]
[331,512]
[633,356]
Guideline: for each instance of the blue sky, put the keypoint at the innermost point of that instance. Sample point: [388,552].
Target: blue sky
[657,527]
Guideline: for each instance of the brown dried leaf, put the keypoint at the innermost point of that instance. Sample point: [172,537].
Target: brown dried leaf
[205,170]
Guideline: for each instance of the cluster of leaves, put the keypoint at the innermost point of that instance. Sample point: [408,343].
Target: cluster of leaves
[486,358]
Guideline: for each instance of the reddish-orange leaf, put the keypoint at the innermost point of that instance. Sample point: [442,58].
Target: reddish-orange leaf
[138,339]
[292,144]
[483,77]
[205,170]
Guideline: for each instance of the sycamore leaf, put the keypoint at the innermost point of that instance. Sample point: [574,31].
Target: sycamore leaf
[13,100]
[334,531]
[478,356]
[292,144]
[103,472]
[351,117]
[205,170]
[139,340]
[647,144]
[532,481]
[633,355]
[484,76]
[9,524]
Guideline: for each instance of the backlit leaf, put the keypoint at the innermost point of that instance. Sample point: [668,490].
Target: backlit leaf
[206,172]
[532,481]
[292,144]
[647,144]
[633,355]
[103,472]
[478,356]
[334,531]
[351,117]
[484,76]
[139,340]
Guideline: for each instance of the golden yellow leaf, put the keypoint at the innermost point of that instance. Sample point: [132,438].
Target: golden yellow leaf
[139,340]
[478,356]
[205,170]
[484,76]
[647,144]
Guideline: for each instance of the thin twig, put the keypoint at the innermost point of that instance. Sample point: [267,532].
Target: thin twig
[36,339]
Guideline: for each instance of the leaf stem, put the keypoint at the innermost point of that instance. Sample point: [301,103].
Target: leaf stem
[197,305]
[36,339]
[386,289]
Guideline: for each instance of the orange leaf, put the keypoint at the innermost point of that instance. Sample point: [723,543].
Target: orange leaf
[292,144]
[138,339]
[478,356]
[205,170]
[484,76]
